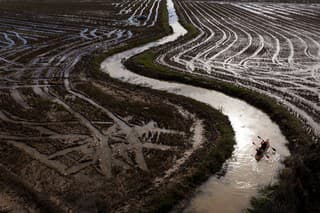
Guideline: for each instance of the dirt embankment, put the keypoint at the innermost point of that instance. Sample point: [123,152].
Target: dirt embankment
[297,190]
[73,139]
[60,165]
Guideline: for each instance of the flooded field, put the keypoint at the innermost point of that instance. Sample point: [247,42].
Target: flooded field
[71,141]
[271,48]
[243,175]
[74,139]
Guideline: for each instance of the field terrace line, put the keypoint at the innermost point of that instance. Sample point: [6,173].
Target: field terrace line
[135,8]
[268,48]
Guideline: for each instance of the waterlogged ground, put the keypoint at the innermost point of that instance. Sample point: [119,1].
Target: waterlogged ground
[271,48]
[70,141]
[73,142]
[241,177]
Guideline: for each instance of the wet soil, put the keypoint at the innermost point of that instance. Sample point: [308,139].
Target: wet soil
[72,142]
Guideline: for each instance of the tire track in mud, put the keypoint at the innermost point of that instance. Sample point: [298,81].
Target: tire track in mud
[236,185]
[37,71]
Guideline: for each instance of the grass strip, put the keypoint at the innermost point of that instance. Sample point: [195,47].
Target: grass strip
[211,162]
[299,183]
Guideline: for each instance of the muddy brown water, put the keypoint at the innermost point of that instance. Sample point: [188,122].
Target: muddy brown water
[243,175]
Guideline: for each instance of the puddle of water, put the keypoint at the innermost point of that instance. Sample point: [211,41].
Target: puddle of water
[244,175]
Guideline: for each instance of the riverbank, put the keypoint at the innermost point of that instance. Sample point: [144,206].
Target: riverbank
[218,146]
[300,174]
[81,141]
[207,161]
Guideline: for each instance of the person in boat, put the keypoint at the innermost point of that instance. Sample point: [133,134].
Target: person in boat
[259,152]
[264,145]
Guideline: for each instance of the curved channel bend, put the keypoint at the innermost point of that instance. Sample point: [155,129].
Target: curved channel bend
[244,175]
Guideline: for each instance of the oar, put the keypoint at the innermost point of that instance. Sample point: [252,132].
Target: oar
[274,149]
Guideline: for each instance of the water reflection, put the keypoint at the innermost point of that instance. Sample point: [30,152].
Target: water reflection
[244,175]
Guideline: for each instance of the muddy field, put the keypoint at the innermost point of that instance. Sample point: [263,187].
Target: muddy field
[74,140]
[271,48]
[70,141]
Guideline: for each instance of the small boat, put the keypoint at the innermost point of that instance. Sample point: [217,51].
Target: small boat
[261,151]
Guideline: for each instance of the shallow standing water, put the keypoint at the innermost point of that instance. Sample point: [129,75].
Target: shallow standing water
[244,175]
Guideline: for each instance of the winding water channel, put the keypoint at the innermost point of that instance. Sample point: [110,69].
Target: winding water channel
[244,175]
